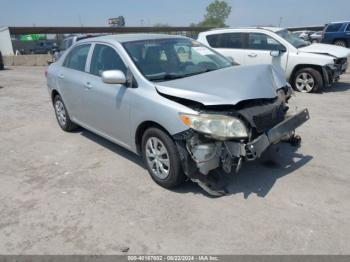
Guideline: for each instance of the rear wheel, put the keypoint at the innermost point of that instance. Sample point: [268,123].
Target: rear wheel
[307,80]
[62,115]
[340,43]
[162,158]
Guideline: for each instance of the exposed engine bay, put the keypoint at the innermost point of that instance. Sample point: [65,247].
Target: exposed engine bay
[267,122]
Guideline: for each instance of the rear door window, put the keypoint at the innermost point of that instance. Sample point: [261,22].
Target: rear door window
[333,28]
[77,58]
[226,40]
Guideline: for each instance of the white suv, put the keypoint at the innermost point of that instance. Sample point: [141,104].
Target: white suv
[307,66]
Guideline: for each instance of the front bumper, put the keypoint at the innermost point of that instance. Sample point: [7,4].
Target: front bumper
[200,155]
[275,135]
[331,75]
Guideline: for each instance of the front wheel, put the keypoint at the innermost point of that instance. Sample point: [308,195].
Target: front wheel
[162,158]
[307,80]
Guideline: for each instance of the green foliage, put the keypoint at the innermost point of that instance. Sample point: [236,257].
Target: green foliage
[216,14]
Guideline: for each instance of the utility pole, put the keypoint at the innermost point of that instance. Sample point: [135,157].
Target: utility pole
[280,23]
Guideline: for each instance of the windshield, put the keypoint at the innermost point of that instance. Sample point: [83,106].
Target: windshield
[292,39]
[167,59]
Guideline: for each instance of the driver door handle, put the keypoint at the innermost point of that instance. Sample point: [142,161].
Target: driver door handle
[252,55]
[88,85]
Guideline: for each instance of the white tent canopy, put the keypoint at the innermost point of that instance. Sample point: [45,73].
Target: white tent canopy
[5,42]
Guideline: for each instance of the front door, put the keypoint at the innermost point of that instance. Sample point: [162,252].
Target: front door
[107,106]
[259,49]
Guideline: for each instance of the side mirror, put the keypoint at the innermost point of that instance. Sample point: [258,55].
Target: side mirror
[233,62]
[113,77]
[275,53]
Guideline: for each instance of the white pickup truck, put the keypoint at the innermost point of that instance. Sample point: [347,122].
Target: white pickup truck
[307,66]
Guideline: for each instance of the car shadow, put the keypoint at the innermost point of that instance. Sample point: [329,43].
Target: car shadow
[257,177]
[121,151]
[336,87]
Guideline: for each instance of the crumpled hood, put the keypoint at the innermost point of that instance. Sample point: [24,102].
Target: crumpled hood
[336,51]
[227,86]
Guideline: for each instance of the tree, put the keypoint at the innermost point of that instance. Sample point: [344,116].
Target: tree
[216,14]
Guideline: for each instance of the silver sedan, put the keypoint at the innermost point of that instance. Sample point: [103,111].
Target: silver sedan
[182,106]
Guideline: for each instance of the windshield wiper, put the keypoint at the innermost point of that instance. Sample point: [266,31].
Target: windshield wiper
[165,77]
[174,76]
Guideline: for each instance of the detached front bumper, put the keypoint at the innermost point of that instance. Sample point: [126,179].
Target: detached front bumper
[200,154]
[275,135]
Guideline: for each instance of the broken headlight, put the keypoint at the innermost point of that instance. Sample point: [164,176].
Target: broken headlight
[218,126]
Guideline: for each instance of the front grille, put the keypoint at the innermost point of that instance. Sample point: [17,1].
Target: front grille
[340,62]
[264,116]
[270,118]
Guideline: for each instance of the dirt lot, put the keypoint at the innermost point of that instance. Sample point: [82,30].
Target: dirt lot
[76,193]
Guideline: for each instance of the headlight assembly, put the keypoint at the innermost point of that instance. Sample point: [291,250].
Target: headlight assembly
[218,126]
[332,66]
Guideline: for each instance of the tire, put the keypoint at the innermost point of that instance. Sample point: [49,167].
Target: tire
[307,80]
[340,43]
[165,169]
[62,115]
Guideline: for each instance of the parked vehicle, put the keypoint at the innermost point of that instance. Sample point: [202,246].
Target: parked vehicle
[316,37]
[182,106]
[67,43]
[307,66]
[337,33]
[34,47]
[2,67]
[305,35]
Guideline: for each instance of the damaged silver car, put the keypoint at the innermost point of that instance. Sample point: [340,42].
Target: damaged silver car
[182,106]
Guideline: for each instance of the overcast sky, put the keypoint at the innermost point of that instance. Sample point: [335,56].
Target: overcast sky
[172,12]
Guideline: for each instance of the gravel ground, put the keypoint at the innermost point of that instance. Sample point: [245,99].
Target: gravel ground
[76,193]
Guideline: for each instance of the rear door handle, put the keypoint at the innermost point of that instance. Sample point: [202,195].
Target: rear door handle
[88,85]
[61,76]
[252,55]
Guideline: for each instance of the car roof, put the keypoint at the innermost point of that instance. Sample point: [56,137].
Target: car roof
[267,28]
[339,22]
[122,38]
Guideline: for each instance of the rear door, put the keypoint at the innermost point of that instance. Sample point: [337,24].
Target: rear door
[70,80]
[230,45]
[107,106]
[259,47]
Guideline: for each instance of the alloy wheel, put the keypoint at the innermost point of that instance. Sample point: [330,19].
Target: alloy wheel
[61,113]
[305,82]
[340,43]
[157,157]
